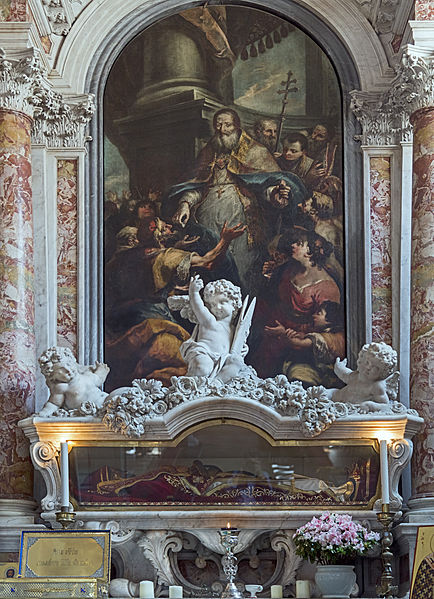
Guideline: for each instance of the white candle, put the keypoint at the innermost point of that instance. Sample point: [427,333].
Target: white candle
[146,589]
[384,470]
[64,476]
[276,591]
[175,592]
[302,589]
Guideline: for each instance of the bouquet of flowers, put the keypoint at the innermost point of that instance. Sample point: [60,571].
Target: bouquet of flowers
[333,539]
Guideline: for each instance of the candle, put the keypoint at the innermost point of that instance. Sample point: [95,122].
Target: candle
[175,592]
[384,470]
[64,477]
[228,528]
[276,591]
[302,589]
[146,589]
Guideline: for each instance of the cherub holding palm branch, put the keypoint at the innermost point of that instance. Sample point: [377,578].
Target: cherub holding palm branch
[218,343]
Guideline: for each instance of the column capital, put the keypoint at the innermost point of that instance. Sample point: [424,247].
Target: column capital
[414,83]
[384,122]
[58,121]
[385,118]
[20,73]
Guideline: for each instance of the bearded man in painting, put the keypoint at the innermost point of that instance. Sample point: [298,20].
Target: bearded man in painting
[265,131]
[143,335]
[237,180]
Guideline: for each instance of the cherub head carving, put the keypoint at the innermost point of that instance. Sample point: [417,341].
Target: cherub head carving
[377,361]
[221,296]
[58,364]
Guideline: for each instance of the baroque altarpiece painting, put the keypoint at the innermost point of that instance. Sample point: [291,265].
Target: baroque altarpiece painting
[279,175]
[223,159]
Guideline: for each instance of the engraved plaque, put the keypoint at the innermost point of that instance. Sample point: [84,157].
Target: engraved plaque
[84,554]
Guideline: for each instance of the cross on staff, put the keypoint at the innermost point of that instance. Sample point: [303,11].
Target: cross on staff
[285,91]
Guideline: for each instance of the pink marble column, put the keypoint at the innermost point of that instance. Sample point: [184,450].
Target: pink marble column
[424,10]
[422,300]
[13,10]
[381,265]
[67,249]
[17,340]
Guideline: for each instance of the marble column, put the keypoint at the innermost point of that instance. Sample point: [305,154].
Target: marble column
[422,300]
[17,339]
[19,76]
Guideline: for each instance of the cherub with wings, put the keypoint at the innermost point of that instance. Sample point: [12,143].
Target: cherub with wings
[218,343]
[375,381]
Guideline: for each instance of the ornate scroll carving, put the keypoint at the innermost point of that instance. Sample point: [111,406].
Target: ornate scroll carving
[43,454]
[399,456]
[400,452]
[414,84]
[119,533]
[156,545]
[58,122]
[282,541]
[18,78]
[385,118]
[59,14]
[127,410]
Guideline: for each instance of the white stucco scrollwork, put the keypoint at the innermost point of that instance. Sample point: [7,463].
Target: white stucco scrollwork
[156,545]
[59,122]
[400,452]
[282,541]
[59,15]
[383,121]
[19,75]
[127,410]
[414,84]
[119,534]
[43,454]
[385,118]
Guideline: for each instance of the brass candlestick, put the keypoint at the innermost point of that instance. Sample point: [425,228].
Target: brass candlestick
[65,517]
[229,539]
[386,588]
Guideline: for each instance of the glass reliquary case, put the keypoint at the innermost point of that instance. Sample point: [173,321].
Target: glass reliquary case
[229,465]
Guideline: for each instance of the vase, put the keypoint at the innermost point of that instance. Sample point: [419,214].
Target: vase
[335,582]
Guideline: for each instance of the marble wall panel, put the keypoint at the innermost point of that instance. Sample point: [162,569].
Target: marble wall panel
[13,10]
[381,264]
[424,10]
[67,172]
[17,339]
[422,301]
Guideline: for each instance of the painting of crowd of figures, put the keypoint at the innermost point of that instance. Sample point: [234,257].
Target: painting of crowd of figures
[223,158]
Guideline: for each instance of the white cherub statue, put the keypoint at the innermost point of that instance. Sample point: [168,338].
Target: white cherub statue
[374,382]
[70,383]
[217,345]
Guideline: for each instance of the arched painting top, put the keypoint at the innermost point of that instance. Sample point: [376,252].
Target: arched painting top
[227,115]
[111,24]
